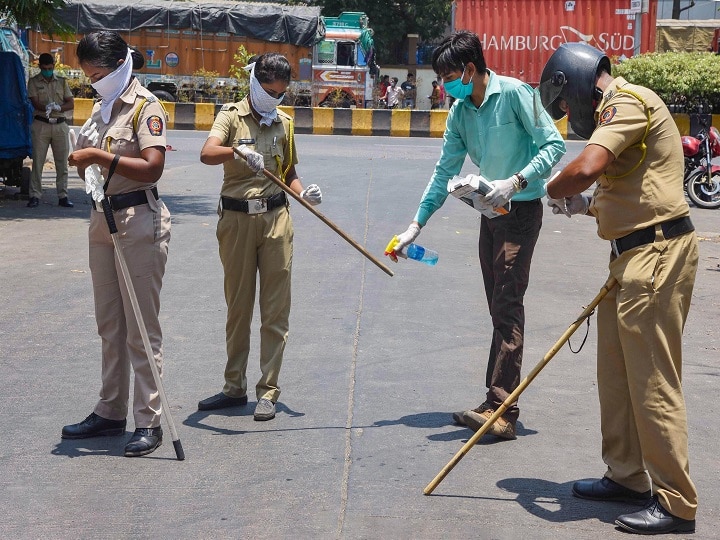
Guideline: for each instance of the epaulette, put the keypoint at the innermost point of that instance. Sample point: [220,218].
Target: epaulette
[229,107]
[152,98]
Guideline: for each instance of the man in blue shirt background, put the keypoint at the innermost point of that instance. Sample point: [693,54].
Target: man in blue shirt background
[501,124]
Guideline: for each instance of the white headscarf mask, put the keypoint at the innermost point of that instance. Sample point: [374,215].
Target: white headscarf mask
[112,85]
[262,102]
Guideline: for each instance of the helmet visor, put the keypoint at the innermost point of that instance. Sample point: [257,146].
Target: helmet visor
[550,91]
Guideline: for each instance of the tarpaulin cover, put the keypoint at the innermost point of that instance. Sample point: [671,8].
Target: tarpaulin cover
[685,36]
[296,25]
[15,109]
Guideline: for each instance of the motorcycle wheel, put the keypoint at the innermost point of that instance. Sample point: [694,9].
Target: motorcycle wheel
[701,194]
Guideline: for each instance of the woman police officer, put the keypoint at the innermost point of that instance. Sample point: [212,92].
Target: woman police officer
[125,136]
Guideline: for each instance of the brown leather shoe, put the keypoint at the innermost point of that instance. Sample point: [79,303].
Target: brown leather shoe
[476,418]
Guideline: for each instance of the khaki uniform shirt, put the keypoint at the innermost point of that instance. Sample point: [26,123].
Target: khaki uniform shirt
[122,135]
[234,125]
[653,192]
[55,90]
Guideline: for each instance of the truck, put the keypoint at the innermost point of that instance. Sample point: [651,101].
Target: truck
[15,110]
[343,62]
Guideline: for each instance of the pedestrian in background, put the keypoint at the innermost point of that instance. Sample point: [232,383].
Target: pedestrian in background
[409,89]
[125,136]
[254,231]
[393,94]
[435,96]
[635,155]
[494,113]
[51,98]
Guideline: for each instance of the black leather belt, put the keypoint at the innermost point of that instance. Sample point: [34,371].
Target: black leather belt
[254,206]
[50,120]
[670,229]
[126,200]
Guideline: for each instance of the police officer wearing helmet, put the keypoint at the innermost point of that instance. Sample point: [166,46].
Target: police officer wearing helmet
[125,136]
[635,156]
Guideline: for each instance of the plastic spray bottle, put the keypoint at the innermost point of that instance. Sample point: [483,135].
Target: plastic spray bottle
[414,252]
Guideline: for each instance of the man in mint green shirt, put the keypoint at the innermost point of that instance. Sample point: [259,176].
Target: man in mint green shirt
[501,124]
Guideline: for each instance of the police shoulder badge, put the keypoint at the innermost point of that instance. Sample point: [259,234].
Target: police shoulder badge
[155,125]
[607,115]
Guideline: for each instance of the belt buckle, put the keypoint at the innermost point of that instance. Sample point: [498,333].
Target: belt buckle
[614,246]
[257,206]
[52,120]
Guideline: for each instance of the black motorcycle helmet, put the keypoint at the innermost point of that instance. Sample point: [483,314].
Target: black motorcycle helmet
[570,74]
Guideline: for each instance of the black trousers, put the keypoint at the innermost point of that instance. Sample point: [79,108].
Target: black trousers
[506,247]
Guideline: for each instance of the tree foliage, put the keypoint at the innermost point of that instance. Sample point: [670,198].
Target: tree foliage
[687,81]
[37,14]
[392,21]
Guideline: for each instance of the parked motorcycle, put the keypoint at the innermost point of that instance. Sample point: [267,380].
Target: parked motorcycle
[702,178]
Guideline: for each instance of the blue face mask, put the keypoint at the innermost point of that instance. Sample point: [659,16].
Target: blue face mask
[47,73]
[458,89]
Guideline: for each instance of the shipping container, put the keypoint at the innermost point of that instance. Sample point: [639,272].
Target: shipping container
[519,36]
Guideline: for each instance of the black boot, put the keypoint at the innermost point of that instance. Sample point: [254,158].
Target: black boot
[144,441]
[94,426]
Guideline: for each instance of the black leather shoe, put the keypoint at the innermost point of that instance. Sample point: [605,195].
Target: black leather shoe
[33,202]
[607,490]
[67,203]
[94,426]
[144,441]
[221,401]
[654,519]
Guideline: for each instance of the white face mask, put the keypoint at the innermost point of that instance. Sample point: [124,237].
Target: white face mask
[261,101]
[113,85]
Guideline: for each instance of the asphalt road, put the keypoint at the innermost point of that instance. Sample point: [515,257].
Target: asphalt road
[373,369]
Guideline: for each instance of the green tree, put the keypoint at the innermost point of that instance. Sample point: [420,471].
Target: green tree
[38,14]
[392,21]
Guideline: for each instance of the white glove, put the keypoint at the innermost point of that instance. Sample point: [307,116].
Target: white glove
[254,160]
[94,182]
[559,206]
[501,192]
[312,194]
[88,136]
[50,107]
[407,238]
[577,204]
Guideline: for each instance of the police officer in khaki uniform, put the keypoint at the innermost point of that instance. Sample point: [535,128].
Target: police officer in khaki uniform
[635,155]
[125,136]
[51,98]
[255,231]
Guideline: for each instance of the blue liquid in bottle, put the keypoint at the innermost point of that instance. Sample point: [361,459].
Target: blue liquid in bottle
[419,253]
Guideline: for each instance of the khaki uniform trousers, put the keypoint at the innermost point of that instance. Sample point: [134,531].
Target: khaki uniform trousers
[44,136]
[642,408]
[144,234]
[250,244]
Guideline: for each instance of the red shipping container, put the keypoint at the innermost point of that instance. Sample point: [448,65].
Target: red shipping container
[519,36]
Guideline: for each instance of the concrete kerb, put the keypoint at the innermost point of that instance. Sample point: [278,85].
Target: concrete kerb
[372,122]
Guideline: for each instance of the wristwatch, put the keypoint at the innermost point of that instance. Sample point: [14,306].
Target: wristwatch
[521,181]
